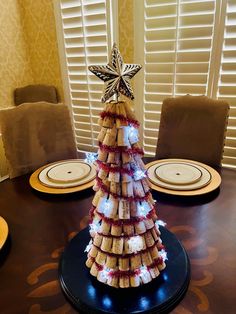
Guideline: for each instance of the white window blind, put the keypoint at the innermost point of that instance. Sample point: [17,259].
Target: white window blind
[86,28]
[189,47]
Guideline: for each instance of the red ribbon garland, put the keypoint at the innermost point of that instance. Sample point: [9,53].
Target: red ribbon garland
[121,117]
[121,149]
[105,189]
[132,221]
[108,168]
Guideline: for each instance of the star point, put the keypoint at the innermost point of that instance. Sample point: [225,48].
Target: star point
[116,75]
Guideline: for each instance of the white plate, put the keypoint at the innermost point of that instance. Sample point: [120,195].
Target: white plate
[204,180]
[178,173]
[68,172]
[45,180]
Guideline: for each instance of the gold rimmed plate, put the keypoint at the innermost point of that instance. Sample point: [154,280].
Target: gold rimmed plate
[83,184]
[209,181]
[3,232]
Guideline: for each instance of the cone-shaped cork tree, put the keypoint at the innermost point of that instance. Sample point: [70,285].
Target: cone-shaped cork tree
[125,248]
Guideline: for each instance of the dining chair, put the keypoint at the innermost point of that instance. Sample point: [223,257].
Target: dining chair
[35,134]
[193,127]
[35,93]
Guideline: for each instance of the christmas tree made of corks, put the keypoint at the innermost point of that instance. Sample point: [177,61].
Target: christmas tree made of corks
[125,249]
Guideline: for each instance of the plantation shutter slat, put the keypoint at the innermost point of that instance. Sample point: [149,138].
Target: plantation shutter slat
[189,47]
[177,50]
[87,38]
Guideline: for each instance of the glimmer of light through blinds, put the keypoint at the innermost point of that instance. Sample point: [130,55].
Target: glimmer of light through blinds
[189,47]
[87,33]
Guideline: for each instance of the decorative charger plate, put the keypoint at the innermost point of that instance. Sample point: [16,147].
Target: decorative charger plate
[3,232]
[182,177]
[63,177]
[66,174]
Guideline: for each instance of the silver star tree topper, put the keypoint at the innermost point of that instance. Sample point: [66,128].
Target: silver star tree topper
[116,75]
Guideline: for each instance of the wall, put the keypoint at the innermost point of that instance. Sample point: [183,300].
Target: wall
[15,67]
[40,30]
[28,51]
[126,30]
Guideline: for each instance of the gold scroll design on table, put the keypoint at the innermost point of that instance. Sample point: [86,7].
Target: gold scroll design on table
[196,286]
[52,288]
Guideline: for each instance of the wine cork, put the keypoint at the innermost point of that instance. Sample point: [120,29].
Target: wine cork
[107,122]
[162,266]
[117,245]
[139,161]
[105,227]
[133,209]
[149,223]
[102,134]
[124,210]
[111,262]
[114,176]
[116,230]
[94,251]
[113,281]
[106,183]
[124,189]
[145,185]
[113,210]
[101,203]
[138,189]
[135,262]
[102,174]
[133,135]
[130,189]
[145,276]
[102,155]
[113,187]
[102,277]
[124,282]
[96,186]
[134,281]
[140,227]
[146,258]
[127,247]
[106,244]
[96,198]
[94,270]
[154,272]
[129,111]
[122,138]
[158,232]
[154,234]
[110,137]
[150,200]
[128,230]
[154,252]
[126,177]
[149,239]
[89,262]
[126,158]
[111,158]
[101,258]
[97,240]
[124,263]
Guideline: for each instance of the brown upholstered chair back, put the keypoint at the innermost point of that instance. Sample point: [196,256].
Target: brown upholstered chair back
[35,134]
[35,93]
[193,127]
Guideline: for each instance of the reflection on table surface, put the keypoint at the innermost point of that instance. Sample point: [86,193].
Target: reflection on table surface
[41,225]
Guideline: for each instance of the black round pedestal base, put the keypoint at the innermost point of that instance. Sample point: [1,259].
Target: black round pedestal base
[90,296]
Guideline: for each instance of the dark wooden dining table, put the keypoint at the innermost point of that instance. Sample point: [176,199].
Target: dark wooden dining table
[42,224]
